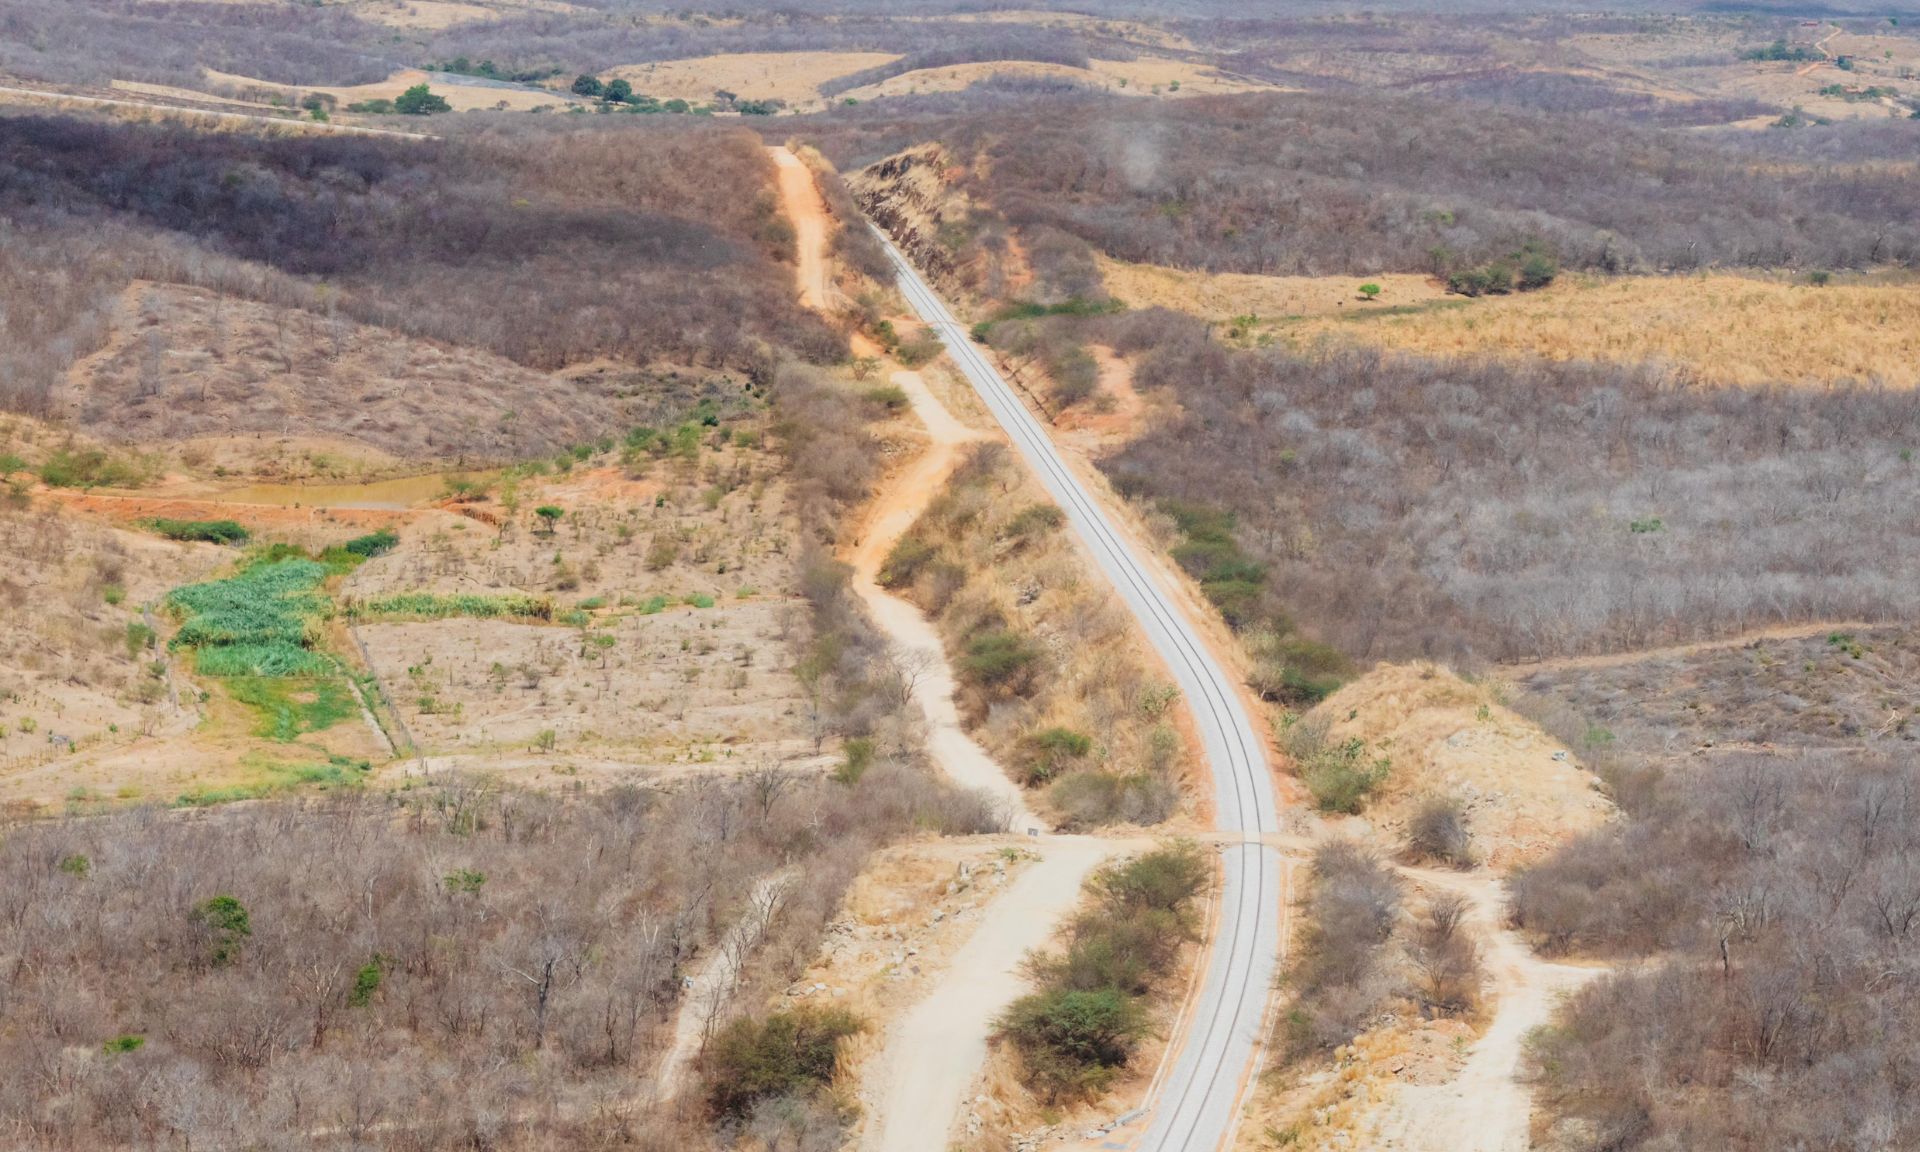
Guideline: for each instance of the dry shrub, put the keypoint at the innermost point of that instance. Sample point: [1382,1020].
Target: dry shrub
[1438,831]
[1343,970]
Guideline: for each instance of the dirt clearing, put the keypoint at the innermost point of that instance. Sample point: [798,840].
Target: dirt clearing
[794,77]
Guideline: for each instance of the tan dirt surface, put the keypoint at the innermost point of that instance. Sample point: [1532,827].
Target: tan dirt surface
[1523,791]
[791,76]
[935,1051]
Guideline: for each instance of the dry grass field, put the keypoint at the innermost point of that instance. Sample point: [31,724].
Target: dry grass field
[794,77]
[1222,297]
[1145,76]
[1716,329]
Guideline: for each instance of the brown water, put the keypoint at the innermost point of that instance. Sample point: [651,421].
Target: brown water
[385,495]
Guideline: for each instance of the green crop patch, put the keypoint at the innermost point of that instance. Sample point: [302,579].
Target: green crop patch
[264,621]
[434,606]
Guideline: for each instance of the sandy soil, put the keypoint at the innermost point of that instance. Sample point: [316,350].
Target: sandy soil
[935,1051]
[791,76]
[811,226]
[1523,791]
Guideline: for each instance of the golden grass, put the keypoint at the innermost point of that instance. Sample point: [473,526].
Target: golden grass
[1146,76]
[1220,297]
[1719,329]
[791,76]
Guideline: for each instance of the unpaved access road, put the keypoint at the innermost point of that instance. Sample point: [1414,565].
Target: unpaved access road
[915,641]
[808,212]
[1198,1104]
[935,1051]
[1486,1108]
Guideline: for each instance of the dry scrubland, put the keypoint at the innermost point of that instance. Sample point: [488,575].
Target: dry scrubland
[1052,681]
[653,590]
[1570,508]
[1767,862]
[420,970]
[183,364]
[510,242]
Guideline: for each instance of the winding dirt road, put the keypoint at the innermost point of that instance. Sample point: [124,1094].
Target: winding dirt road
[1486,1107]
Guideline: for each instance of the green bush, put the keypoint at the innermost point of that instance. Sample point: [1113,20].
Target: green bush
[858,758]
[909,555]
[372,544]
[201,531]
[366,983]
[1072,1043]
[890,397]
[419,100]
[1340,775]
[226,924]
[918,349]
[1046,754]
[1164,880]
[92,468]
[1082,1026]
[1291,669]
[999,659]
[1035,519]
[788,1053]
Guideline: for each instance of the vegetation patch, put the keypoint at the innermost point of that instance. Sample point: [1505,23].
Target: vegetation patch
[791,1053]
[1080,1029]
[264,621]
[439,606]
[274,778]
[201,531]
[293,706]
